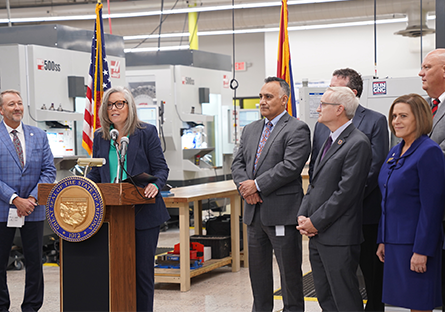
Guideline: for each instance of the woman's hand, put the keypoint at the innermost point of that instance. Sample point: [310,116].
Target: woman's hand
[418,263]
[381,252]
[151,191]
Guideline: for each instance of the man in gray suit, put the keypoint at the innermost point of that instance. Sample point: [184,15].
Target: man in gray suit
[331,211]
[375,127]
[267,172]
[433,82]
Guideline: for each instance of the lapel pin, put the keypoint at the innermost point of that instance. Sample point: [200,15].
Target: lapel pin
[31,134]
[391,158]
[340,142]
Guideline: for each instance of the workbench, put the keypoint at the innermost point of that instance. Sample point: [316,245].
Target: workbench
[195,194]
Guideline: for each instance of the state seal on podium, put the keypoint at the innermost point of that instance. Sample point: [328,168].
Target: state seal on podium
[75,209]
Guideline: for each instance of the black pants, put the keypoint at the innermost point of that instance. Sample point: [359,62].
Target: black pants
[372,268]
[32,241]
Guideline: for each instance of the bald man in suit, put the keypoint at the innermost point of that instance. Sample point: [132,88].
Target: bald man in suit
[433,82]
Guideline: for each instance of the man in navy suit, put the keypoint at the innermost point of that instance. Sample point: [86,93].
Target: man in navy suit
[375,127]
[25,161]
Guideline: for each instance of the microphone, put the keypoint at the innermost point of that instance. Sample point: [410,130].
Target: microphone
[124,146]
[114,134]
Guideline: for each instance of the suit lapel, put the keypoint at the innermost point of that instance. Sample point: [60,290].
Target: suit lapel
[9,145]
[29,141]
[339,143]
[275,132]
[358,116]
[252,144]
[133,149]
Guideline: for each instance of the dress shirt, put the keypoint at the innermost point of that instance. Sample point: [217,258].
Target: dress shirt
[274,123]
[334,135]
[21,137]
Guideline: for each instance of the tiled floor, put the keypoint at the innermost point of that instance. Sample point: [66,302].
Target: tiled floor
[219,290]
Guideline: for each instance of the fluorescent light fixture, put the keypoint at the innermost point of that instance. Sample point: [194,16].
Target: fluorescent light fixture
[272,29]
[159,12]
[170,48]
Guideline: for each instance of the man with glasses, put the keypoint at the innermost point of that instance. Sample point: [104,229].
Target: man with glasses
[375,127]
[331,211]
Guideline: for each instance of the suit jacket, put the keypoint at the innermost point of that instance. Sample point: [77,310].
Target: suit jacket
[278,172]
[437,133]
[375,127]
[413,198]
[144,155]
[39,168]
[334,198]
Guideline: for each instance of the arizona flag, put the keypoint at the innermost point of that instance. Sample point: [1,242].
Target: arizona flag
[98,82]
[284,68]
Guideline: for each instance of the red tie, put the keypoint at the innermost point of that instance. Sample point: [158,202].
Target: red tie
[435,106]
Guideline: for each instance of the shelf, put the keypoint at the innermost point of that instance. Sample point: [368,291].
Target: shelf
[172,275]
[191,153]
[53,115]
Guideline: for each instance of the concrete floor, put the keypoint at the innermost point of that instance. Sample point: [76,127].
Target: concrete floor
[219,290]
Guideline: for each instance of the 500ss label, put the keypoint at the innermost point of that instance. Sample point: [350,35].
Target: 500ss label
[47,65]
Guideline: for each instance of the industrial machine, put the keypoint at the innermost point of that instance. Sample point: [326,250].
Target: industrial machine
[190,90]
[49,66]
[378,95]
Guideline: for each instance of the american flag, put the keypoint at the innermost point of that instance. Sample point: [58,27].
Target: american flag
[284,67]
[98,80]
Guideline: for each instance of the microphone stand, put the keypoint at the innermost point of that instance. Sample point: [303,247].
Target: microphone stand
[118,178]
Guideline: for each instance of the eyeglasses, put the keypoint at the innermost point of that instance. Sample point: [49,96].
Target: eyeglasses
[326,103]
[118,104]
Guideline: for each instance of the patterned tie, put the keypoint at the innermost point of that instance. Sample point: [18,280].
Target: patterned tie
[326,147]
[435,106]
[18,147]
[263,140]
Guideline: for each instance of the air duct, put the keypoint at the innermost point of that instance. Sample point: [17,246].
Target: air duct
[416,25]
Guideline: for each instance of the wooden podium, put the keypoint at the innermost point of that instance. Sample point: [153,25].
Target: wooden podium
[99,274]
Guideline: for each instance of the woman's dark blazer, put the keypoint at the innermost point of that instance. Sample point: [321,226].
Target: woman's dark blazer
[144,155]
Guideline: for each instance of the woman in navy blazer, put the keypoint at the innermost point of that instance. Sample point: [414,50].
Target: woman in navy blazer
[412,182]
[144,154]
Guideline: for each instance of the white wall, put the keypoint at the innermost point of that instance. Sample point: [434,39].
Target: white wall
[317,53]
[248,48]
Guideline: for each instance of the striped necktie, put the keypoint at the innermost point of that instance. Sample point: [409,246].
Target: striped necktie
[18,147]
[435,106]
[263,140]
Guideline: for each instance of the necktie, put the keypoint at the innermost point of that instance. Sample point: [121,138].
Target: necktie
[326,146]
[263,140]
[435,106]
[18,147]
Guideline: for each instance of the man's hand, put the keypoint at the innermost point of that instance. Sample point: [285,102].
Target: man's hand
[306,227]
[253,199]
[418,263]
[247,188]
[25,206]
[151,191]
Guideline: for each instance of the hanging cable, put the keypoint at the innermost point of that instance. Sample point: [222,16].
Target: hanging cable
[234,82]
[375,38]
[421,32]
[160,24]
[165,18]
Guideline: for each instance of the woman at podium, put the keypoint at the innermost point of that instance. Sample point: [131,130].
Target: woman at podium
[141,151]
